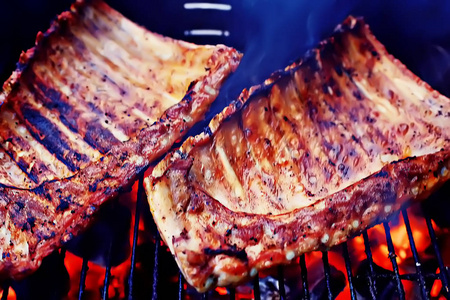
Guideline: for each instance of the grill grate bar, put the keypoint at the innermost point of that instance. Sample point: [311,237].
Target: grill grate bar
[443,271]
[84,269]
[326,268]
[137,216]
[349,270]
[107,273]
[155,266]
[393,259]
[371,273]
[256,289]
[281,287]
[423,287]
[304,272]
[180,286]
[5,288]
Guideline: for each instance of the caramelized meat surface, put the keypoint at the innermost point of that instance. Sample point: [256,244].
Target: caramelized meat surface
[317,153]
[90,106]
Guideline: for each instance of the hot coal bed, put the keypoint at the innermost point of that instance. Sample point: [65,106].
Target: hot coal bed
[405,258]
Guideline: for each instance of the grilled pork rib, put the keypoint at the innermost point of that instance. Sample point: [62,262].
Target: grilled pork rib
[319,152]
[91,105]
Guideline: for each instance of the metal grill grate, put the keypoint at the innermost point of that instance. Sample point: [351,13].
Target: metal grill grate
[372,277]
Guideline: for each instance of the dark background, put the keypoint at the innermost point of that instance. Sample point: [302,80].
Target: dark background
[270,33]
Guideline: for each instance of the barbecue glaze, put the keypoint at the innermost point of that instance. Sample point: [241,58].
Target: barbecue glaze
[319,152]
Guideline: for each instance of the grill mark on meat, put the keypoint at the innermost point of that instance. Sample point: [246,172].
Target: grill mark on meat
[90,64]
[69,115]
[93,133]
[49,97]
[358,114]
[255,159]
[44,131]
[307,152]
[141,114]
[122,69]
[274,146]
[79,94]
[23,165]
[338,121]
[73,140]
[53,100]
[296,147]
[20,145]
[100,138]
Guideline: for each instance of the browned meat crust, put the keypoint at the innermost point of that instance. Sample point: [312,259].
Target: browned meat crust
[319,152]
[90,106]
